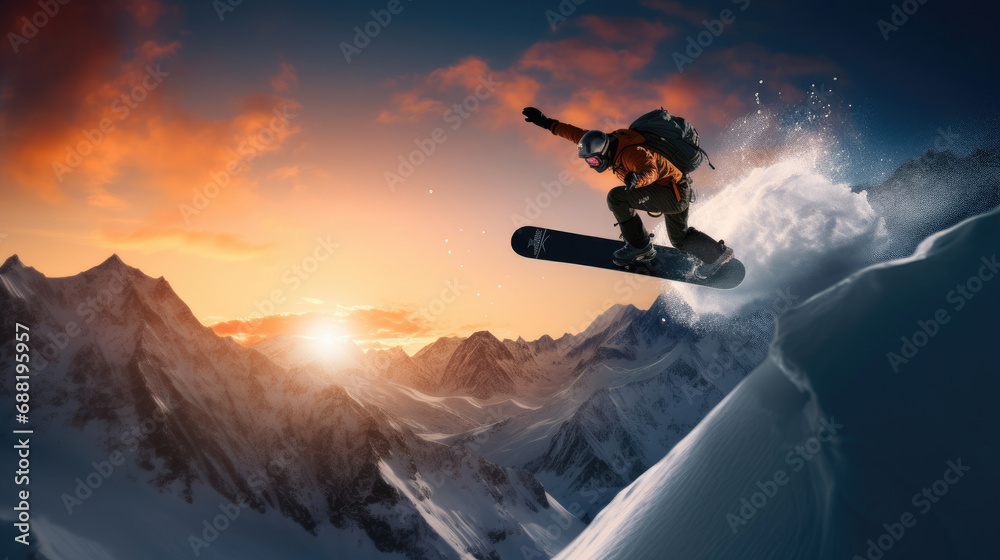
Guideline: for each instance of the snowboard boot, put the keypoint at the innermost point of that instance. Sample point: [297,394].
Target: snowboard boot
[712,254]
[638,248]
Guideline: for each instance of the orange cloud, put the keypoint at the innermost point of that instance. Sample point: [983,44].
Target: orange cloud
[145,12]
[640,33]
[367,326]
[436,94]
[410,107]
[614,70]
[86,116]
[103,199]
[286,80]
[602,78]
[154,238]
[285,172]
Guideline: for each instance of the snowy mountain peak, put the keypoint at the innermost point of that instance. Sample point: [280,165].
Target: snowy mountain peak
[443,345]
[545,344]
[11,262]
[615,315]
[396,352]
[115,267]
[481,345]
[395,365]
[482,366]
[114,261]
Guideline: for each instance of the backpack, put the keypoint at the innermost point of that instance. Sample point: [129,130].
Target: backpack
[672,137]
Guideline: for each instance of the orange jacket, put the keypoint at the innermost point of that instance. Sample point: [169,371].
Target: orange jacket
[650,166]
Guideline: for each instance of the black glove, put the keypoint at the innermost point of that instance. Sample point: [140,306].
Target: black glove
[631,180]
[536,117]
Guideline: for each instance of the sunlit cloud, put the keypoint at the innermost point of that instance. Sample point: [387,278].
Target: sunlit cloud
[207,244]
[366,325]
[286,80]
[609,72]
[285,172]
[103,199]
[93,125]
[146,12]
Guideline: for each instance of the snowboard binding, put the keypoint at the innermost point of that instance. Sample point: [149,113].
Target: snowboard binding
[704,270]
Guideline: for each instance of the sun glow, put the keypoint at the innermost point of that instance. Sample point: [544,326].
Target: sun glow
[325,338]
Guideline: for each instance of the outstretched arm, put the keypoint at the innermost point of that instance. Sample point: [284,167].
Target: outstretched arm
[563,130]
[567,131]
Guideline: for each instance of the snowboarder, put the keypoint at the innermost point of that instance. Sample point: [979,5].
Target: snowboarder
[651,183]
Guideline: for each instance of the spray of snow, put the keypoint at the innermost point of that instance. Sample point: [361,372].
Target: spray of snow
[787,220]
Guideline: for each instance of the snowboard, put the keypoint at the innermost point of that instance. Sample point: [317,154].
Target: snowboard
[573,248]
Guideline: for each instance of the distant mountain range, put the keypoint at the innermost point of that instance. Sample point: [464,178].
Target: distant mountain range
[474,447]
[934,192]
[224,413]
[391,445]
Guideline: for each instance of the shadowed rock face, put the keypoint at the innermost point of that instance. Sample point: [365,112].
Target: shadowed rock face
[482,367]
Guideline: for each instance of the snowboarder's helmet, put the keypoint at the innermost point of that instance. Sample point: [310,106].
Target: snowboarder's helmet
[593,148]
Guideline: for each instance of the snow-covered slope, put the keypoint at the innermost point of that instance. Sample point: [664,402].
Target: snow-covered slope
[434,357]
[870,428]
[395,365]
[657,375]
[620,431]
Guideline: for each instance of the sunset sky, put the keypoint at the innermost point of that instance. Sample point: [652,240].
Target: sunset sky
[253,160]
